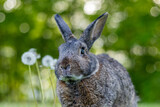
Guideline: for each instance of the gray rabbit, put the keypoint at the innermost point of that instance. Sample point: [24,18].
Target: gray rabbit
[88,80]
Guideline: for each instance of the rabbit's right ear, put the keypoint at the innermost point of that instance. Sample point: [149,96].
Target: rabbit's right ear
[63,27]
[94,30]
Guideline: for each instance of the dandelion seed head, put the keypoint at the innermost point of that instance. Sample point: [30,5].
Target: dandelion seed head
[34,51]
[38,56]
[54,62]
[52,66]
[28,58]
[47,61]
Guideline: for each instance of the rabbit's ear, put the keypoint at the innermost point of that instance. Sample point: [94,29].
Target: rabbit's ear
[93,31]
[63,27]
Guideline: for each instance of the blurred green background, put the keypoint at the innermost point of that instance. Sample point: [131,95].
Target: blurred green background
[131,35]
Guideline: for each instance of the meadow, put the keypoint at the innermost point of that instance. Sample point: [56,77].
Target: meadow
[131,35]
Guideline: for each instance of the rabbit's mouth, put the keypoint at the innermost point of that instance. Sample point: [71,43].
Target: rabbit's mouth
[71,78]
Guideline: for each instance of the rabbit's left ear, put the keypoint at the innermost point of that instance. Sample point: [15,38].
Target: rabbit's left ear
[94,30]
[63,27]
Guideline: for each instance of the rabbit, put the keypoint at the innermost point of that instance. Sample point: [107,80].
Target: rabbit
[88,80]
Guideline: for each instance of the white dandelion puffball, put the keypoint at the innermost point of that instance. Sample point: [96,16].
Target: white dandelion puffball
[53,64]
[52,67]
[34,51]
[47,61]
[28,58]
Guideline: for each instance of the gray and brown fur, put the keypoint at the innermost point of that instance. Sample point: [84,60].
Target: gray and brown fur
[88,80]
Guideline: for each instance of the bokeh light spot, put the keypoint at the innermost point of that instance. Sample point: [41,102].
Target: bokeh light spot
[155,11]
[153,51]
[157,1]
[2,17]
[121,56]
[91,7]
[112,38]
[116,18]
[138,50]
[7,51]
[60,6]
[79,21]
[24,27]
[41,16]
[10,4]
[98,43]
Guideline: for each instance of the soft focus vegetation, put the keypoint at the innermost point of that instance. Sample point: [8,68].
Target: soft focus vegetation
[4,104]
[27,104]
[131,35]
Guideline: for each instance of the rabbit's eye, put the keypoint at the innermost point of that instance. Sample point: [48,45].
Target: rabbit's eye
[82,50]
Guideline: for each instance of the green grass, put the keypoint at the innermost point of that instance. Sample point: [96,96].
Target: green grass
[25,104]
[28,104]
[149,105]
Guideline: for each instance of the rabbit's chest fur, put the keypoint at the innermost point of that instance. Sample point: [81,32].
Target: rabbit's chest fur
[109,87]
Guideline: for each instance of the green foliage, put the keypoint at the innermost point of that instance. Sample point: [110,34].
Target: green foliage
[131,35]
[6,104]
[27,104]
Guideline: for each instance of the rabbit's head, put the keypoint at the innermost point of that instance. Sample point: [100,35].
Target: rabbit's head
[75,62]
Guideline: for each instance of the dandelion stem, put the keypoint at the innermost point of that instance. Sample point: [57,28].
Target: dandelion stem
[32,86]
[40,80]
[54,95]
